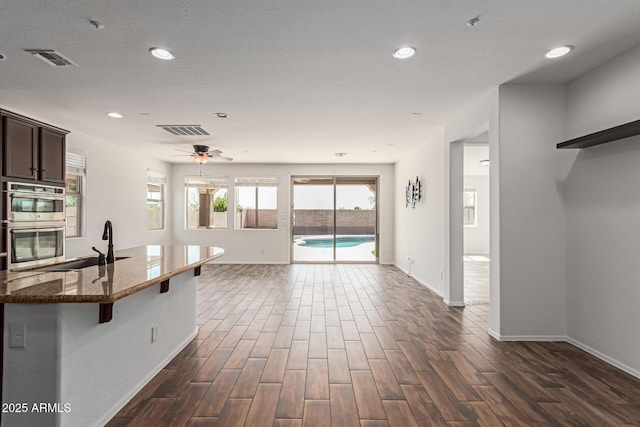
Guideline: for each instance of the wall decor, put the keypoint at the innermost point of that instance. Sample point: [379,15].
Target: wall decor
[414,193]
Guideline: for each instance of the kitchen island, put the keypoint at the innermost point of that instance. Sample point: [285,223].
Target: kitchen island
[80,342]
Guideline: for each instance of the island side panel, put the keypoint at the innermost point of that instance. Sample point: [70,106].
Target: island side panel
[31,374]
[102,366]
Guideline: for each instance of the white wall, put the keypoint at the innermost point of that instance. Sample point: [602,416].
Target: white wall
[476,239]
[605,97]
[116,190]
[245,246]
[532,221]
[419,231]
[603,208]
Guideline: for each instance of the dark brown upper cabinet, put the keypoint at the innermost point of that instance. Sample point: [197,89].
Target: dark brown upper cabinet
[51,158]
[20,149]
[32,150]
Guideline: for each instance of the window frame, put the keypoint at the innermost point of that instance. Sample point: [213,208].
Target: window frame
[75,165]
[156,179]
[473,207]
[210,185]
[257,183]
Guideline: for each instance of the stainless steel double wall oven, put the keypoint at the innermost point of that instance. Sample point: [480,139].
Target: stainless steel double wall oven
[34,224]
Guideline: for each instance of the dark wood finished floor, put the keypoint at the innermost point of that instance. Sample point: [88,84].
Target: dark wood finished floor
[365,345]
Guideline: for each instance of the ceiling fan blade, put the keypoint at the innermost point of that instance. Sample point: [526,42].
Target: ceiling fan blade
[180,155]
[183,151]
[228,159]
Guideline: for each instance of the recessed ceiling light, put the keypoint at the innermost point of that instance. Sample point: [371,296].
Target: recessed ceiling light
[222,115]
[114,115]
[161,53]
[559,51]
[404,52]
[341,154]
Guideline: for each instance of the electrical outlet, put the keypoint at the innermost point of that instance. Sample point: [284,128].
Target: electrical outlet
[154,333]
[17,335]
[261,251]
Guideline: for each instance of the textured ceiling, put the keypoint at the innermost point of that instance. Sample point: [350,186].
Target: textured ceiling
[300,80]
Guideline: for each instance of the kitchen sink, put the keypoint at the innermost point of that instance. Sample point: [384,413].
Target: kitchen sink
[76,265]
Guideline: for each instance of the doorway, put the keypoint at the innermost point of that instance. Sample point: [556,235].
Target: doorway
[334,219]
[476,221]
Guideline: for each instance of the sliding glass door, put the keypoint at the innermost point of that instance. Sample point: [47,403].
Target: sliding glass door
[356,222]
[334,219]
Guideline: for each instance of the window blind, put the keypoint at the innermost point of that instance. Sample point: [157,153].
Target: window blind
[216,182]
[256,181]
[76,163]
[157,178]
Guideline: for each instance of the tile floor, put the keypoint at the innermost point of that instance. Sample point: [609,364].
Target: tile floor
[367,346]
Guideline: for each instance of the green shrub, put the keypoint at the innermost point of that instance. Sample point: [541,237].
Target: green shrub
[220,204]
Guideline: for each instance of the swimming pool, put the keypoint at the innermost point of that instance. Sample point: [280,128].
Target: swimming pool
[341,242]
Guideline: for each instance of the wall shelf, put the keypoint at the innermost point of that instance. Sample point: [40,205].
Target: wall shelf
[608,135]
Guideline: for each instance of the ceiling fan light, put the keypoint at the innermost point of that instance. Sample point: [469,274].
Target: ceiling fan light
[201,158]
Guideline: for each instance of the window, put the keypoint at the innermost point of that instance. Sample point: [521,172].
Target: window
[469,207]
[155,200]
[74,190]
[206,201]
[256,203]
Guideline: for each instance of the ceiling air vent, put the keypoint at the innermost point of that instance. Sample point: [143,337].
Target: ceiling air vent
[184,130]
[51,57]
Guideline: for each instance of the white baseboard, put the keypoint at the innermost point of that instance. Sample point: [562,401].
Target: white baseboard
[421,281]
[125,399]
[602,356]
[215,262]
[454,303]
[487,254]
[542,338]
[572,341]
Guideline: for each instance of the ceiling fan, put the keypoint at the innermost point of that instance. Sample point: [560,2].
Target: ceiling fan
[201,154]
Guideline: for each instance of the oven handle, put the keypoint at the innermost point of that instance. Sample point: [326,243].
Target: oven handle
[31,230]
[36,196]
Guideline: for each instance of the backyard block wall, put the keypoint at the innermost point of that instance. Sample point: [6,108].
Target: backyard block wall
[308,221]
[320,221]
[268,218]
